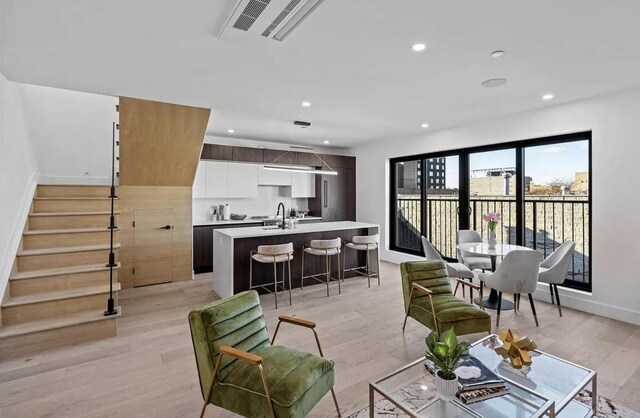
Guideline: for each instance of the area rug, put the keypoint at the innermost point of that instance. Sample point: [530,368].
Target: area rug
[383,408]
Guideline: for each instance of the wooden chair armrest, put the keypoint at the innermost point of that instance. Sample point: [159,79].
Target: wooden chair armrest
[297,321]
[241,355]
[421,288]
[466,283]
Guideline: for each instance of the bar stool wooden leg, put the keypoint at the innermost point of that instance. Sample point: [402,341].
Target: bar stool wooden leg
[250,271]
[327,262]
[344,261]
[302,275]
[275,282]
[368,272]
[339,285]
[378,260]
[289,261]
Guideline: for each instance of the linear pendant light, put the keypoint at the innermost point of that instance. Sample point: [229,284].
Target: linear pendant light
[294,169]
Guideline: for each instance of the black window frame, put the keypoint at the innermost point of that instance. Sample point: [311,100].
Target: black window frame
[464,199]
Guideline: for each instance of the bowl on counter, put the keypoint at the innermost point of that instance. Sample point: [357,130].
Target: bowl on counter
[238,216]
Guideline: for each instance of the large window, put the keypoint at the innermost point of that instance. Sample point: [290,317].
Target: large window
[542,188]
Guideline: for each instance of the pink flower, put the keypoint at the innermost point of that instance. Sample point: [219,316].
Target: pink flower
[492,217]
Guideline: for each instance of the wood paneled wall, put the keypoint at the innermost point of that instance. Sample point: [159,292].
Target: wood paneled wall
[151,197]
[160,143]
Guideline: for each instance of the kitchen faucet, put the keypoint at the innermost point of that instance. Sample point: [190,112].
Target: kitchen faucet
[284,225]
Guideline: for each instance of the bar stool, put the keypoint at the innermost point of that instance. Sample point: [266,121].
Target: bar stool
[326,248]
[363,243]
[282,253]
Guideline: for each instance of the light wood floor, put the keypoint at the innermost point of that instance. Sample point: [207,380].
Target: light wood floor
[148,370]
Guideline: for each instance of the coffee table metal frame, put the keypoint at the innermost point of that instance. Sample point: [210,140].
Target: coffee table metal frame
[548,408]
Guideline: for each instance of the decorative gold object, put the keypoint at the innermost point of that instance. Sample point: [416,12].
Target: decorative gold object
[516,348]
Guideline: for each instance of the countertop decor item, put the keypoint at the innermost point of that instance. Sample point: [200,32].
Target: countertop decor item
[238,216]
[444,352]
[492,219]
[515,348]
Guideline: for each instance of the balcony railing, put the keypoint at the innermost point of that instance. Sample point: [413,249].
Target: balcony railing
[549,221]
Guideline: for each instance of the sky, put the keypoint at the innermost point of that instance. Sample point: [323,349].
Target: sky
[542,163]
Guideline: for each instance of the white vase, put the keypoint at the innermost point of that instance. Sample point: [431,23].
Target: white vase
[492,240]
[447,389]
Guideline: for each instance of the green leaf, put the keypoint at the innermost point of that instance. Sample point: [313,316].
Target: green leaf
[441,351]
[449,338]
[432,339]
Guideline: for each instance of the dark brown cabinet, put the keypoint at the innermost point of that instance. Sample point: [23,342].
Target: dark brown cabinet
[309,159]
[217,152]
[280,157]
[202,249]
[203,245]
[335,196]
[252,155]
[341,161]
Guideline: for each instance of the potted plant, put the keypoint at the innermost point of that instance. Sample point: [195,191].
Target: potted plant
[444,352]
[492,219]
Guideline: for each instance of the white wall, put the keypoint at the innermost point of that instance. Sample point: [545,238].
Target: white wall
[71,133]
[615,124]
[18,168]
[265,204]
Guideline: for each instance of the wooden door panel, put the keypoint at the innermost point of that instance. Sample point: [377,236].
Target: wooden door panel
[153,254]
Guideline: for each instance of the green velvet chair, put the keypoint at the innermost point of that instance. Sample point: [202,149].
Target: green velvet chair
[241,371]
[429,300]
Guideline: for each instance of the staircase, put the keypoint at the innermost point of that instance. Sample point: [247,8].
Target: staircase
[58,291]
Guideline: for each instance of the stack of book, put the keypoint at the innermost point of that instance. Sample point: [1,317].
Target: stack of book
[476,382]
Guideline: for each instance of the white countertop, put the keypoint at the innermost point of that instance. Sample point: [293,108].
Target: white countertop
[260,231]
[251,221]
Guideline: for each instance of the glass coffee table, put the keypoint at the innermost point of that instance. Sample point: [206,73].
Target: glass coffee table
[548,387]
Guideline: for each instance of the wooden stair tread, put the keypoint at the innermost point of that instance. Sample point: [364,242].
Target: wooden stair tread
[8,331]
[73,198]
[63,250]
[58,295]
[65,231]
[87,268]
[71,213]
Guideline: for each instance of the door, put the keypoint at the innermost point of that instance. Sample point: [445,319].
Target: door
[153,246]
[442,202]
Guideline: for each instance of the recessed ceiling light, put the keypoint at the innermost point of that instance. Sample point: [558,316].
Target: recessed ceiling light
[497,54]
[231,131]
[424,125]
[547,96]
[419,47]
[495,82]
[325,141]
[306,104]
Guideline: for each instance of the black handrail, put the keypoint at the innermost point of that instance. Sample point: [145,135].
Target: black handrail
[111,309]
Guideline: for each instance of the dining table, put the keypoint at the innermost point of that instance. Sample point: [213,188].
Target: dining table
[499,250]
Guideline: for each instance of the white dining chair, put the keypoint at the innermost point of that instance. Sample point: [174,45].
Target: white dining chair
[553,269]
[471,260]
[457,270]
[517,274]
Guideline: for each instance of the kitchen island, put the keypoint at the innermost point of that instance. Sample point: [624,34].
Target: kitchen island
[232,246]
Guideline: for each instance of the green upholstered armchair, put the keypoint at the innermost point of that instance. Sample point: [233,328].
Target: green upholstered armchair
[428,299]
[241,371]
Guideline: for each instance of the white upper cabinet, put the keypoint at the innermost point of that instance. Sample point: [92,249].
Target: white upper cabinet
[216,179]
[242,180]
[303,185]
[273,177]
[200,182]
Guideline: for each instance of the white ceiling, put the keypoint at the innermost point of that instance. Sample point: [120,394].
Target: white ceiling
[352,59]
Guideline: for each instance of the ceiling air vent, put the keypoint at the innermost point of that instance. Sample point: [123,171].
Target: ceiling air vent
[255,20]
[250,13]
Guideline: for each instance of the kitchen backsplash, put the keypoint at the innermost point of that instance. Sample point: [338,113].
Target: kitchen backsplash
[265,204]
